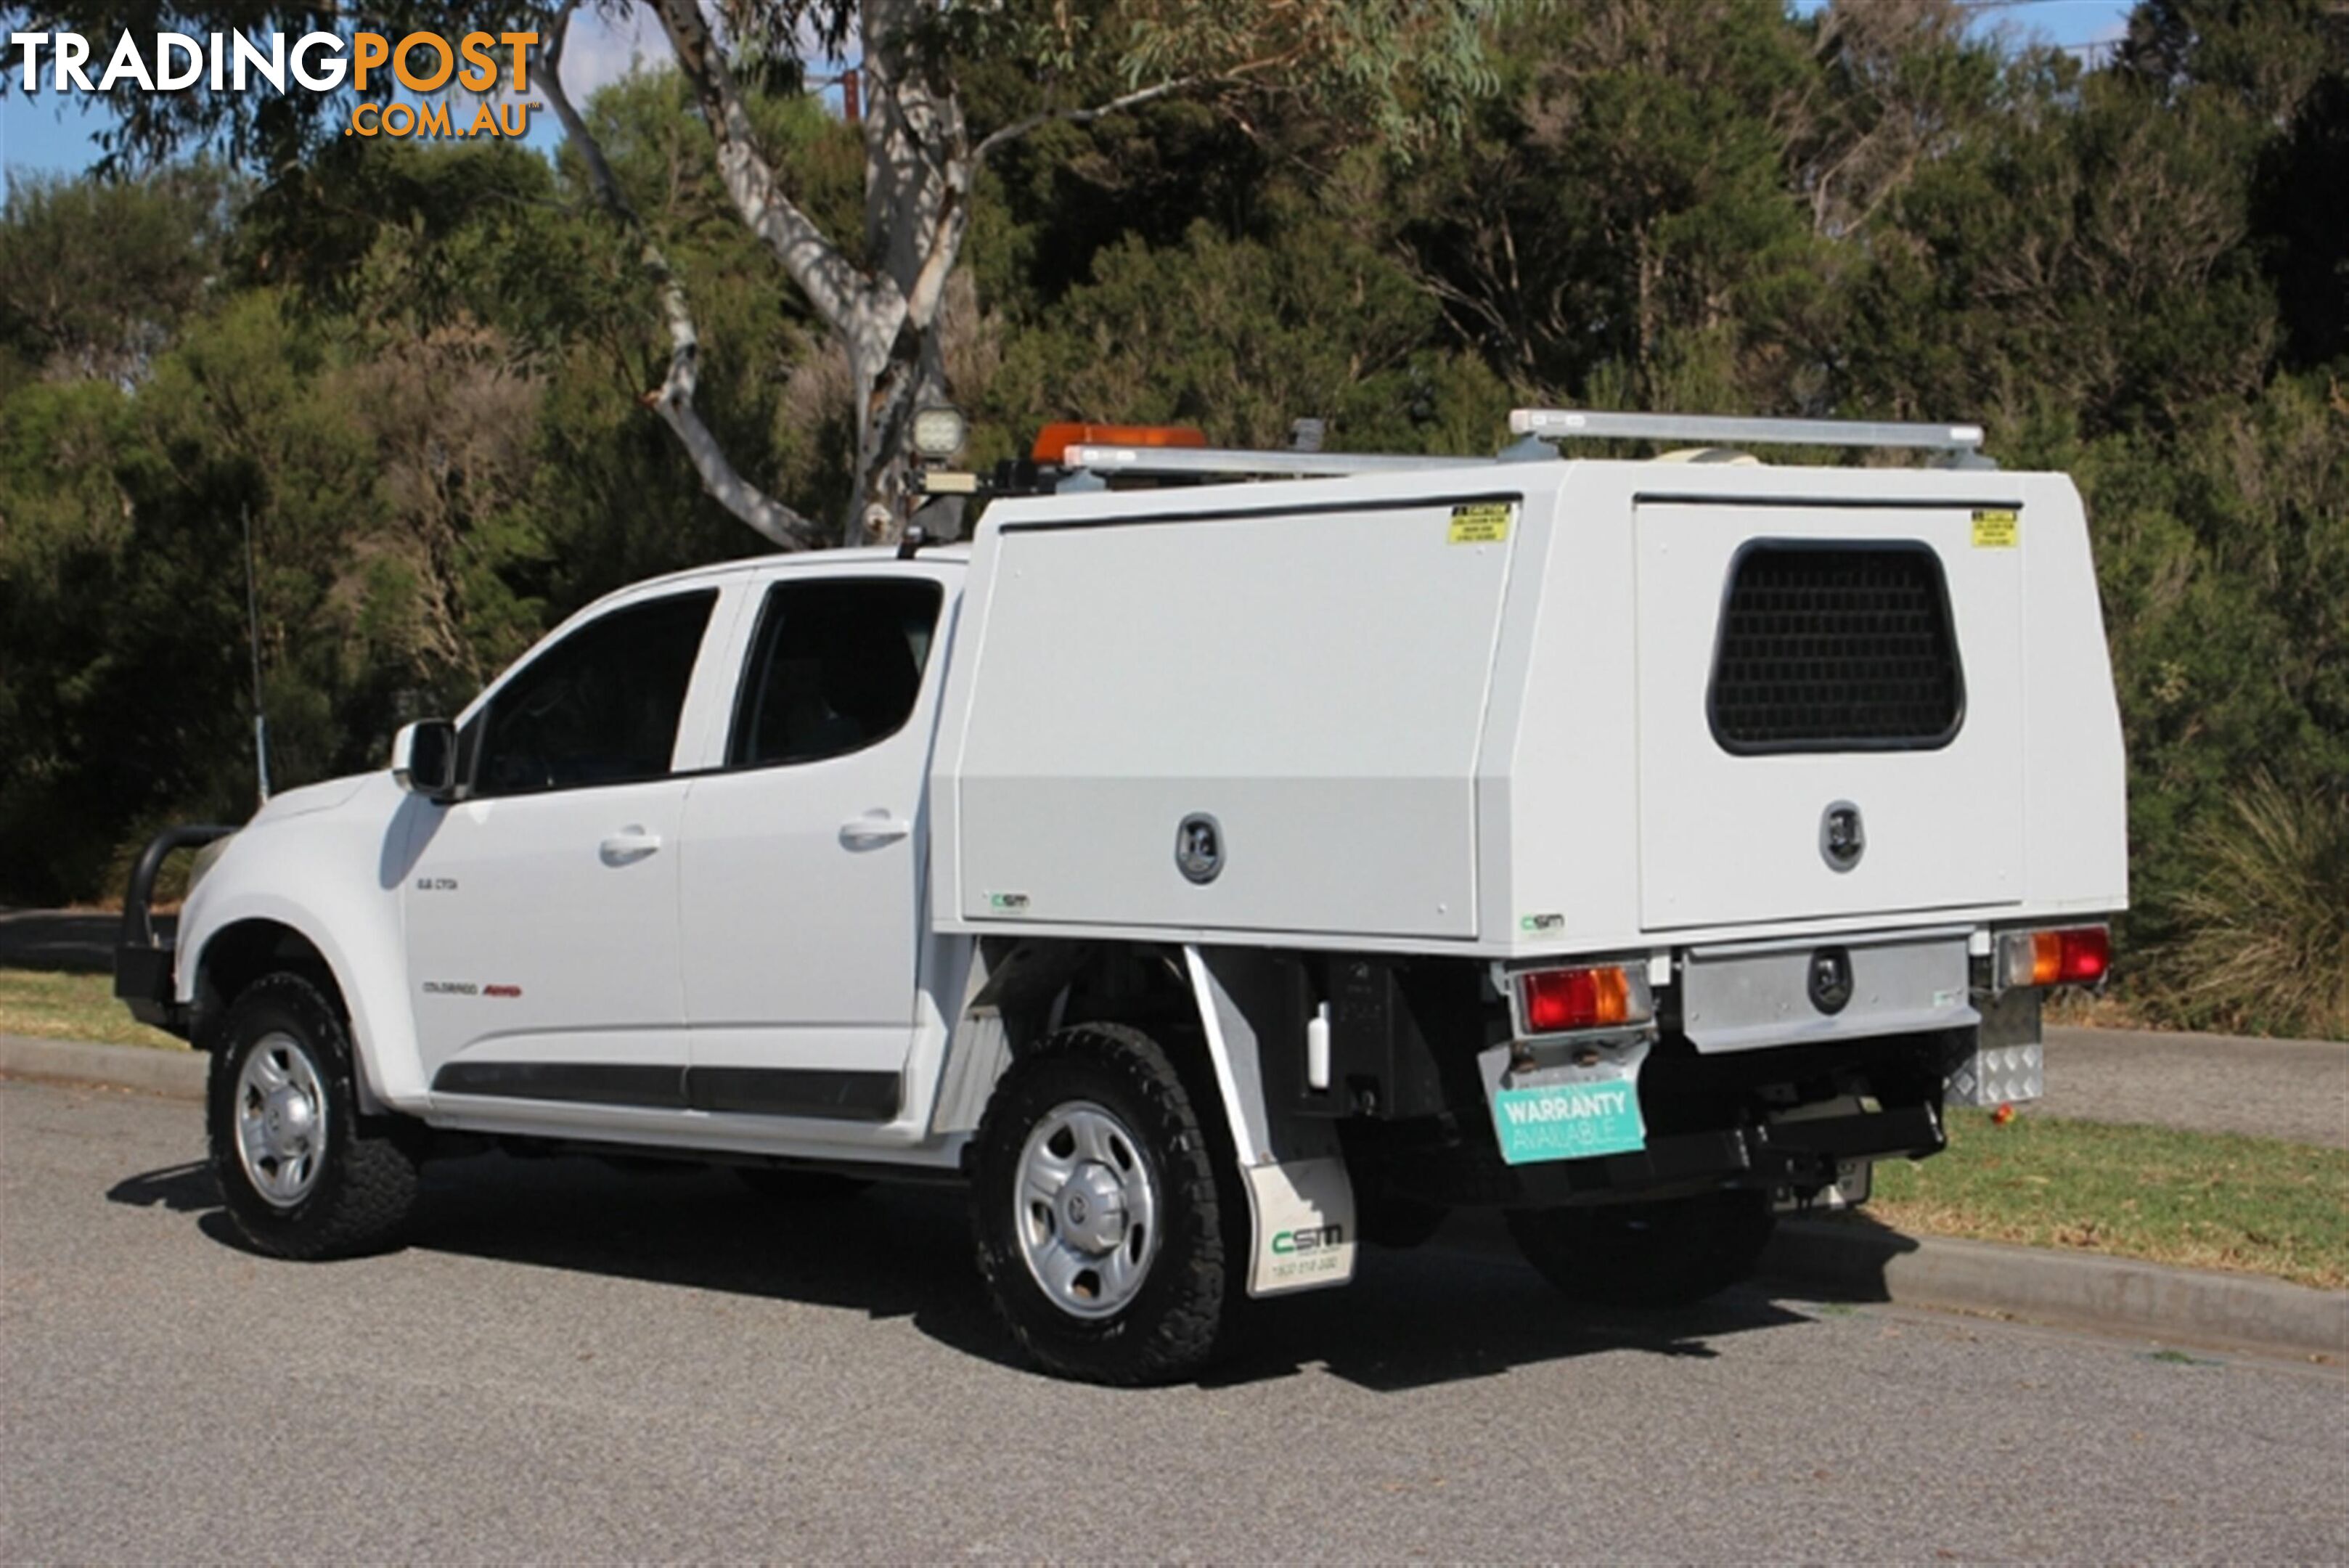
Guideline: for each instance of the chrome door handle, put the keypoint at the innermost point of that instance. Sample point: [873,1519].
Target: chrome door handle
[864,832]
[629,846]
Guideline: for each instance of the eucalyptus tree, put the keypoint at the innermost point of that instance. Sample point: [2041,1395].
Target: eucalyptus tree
[1404,68]
[1399,70]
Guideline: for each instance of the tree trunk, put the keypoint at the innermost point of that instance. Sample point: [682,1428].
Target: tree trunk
[906,373]
[887,312]
[917,176]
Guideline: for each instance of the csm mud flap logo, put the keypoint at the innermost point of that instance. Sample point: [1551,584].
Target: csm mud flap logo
[1302,1217]
[1312,1239]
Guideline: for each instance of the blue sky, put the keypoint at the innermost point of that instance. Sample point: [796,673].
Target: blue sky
[46,134]
[56,133]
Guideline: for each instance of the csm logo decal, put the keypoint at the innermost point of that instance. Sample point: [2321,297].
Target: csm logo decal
[1312,1239]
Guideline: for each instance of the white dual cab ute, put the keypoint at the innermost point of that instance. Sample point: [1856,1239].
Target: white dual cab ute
[1223,860]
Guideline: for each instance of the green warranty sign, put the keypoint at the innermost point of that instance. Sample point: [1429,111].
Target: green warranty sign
[1570,1121]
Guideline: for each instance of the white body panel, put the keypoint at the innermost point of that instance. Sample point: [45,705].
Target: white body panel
[1732,840]
[543,927]
[1602,815]
[328,862]
[800,898]
[1264,670]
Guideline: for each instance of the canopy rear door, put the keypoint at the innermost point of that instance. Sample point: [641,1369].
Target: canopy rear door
[1830,711]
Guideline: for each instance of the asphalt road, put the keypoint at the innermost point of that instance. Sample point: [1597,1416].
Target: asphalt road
[2293,1089]
[580,1364]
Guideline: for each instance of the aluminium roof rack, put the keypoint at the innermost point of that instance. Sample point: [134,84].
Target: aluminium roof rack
[1587,424]
[1234,463]
[1089,465]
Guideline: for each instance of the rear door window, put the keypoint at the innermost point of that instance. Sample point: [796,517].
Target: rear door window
[1829,646]
[835,666]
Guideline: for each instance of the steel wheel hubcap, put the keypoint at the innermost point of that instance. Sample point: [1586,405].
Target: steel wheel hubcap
[281,1120]
[1086,1212]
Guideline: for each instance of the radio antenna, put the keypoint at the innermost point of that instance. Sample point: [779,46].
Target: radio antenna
[252,631]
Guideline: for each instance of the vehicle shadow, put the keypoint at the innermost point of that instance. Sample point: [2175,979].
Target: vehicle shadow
[1411,1320]
[1444,1315]
[181,1189]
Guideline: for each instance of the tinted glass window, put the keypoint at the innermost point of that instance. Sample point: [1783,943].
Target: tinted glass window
[1833,647]
[600,707]
[835,666]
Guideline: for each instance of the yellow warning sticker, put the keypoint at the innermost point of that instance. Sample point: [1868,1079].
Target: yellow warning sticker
[1481,523]
[1996,528]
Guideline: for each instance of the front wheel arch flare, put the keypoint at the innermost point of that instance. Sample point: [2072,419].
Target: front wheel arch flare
[247,950]
[237,955]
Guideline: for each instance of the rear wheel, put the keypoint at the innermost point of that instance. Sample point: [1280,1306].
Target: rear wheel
[1670,1253]
[1100,1232]
[301,1174]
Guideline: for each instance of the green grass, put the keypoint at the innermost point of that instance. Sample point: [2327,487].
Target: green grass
[2213,1201]
[72,1007]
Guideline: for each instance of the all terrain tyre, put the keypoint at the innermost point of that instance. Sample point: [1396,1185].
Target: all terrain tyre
[301,1174]
[1102,1236]
[1670,1253]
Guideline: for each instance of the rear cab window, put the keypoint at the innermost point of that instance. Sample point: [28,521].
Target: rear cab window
[836,666]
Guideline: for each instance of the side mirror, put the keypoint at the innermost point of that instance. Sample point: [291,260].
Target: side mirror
[424,756]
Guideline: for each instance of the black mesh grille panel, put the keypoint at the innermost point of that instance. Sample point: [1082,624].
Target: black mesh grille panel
[1830,647]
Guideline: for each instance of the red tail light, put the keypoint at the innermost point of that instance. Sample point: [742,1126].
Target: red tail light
[1556,1001]
[2081,955]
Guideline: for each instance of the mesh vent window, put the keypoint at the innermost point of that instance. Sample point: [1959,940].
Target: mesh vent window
[1836,648]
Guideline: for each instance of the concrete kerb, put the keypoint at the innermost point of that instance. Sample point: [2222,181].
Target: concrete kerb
[150,1069]
[1855,1260]
[1837,1259]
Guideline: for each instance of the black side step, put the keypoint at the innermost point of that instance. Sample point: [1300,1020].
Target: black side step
[831,1095]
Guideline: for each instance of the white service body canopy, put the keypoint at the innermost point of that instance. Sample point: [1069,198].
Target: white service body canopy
[1466,710]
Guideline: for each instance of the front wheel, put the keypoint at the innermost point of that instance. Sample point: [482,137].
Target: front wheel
[1101,1236]
[1671,1251]
[300,1175]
